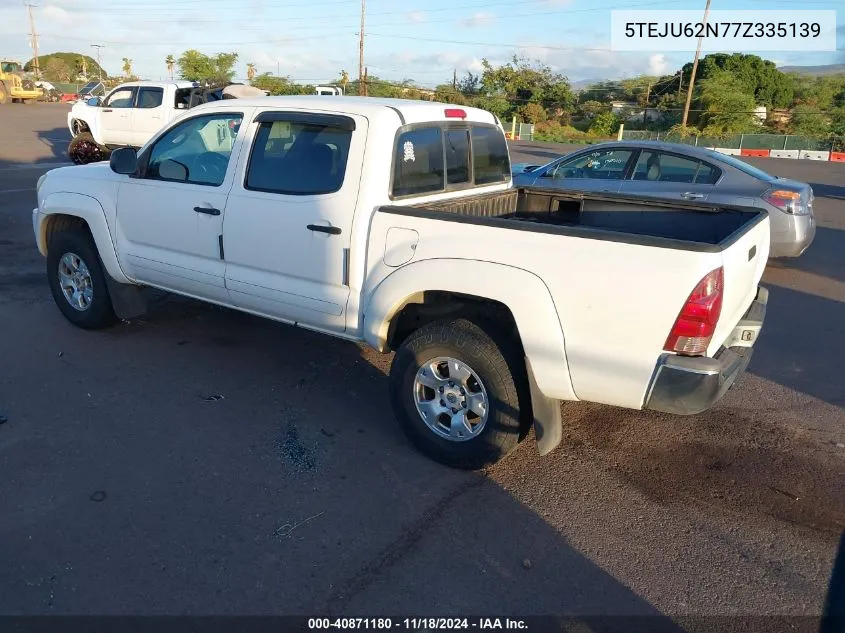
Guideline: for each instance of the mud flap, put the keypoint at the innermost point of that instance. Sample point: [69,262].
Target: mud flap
[127,300]
[548,423]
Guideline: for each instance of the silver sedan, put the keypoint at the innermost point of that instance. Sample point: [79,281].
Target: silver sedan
[683,172]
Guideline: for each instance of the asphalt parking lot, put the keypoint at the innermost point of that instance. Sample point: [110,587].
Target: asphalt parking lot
[203,461]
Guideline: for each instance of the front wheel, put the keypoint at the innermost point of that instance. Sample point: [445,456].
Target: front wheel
[83,149]
[77,280]
[455,392]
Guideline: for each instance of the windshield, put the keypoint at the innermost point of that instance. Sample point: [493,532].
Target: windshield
[742,166]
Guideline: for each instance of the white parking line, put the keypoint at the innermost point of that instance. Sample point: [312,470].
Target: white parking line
[36,166]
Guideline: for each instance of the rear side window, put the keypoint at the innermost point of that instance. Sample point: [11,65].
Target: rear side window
[297,158]
[457,156]
[150,97]
[418,162]
[490,156]
[662,167]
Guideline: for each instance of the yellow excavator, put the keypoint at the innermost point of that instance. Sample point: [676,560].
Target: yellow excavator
[13,86]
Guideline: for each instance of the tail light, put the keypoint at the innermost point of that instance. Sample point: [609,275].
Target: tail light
[697,321]
[785,200]
[455,113]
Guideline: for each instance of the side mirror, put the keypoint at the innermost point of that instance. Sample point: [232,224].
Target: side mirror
[94,102]
[124,161]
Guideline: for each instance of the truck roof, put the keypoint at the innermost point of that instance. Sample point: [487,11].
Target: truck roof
[160,84]
[409,111]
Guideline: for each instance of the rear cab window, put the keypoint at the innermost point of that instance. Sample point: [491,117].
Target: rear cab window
[299,156]
[434,158]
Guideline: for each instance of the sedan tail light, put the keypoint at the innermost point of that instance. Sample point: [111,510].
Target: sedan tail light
[787,201]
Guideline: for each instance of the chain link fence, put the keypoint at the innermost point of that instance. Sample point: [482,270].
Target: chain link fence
[745,141]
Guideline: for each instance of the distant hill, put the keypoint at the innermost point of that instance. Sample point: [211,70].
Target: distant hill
[66,66]
[582,84]
[830,69]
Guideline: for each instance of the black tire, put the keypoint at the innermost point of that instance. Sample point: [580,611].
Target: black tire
[99,313]
[83,149]
[498,368]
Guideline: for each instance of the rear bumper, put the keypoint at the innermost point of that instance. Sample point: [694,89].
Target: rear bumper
[686,385]
[793,236]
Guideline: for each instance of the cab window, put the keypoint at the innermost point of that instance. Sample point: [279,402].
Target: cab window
[120,98]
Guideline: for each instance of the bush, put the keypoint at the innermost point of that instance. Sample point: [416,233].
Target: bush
[532,113]
[555,132]
[605,124]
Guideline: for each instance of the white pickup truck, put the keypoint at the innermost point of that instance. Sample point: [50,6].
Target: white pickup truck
[132,113]
[394,223]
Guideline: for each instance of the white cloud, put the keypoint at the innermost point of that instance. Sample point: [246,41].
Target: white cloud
[416,17]
[479,19]
[657,64]
[588,64]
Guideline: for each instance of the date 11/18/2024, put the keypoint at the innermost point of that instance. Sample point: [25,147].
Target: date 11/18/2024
[417,624]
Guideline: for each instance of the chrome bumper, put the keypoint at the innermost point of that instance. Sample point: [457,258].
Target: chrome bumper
[686,385]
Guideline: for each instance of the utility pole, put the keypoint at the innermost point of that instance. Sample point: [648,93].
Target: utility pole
[366,82]
[34,40]
[645,109]
[694,68]
[362,88]
[455,79]
[99,66]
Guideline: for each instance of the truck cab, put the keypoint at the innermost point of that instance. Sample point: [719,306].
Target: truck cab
[131,113]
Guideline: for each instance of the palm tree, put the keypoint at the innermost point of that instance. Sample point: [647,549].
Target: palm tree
[171,64]
[127,66]
[250,71]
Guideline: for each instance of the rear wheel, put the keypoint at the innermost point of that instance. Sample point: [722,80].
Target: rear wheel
[455,392]
[83,149]
[77,280]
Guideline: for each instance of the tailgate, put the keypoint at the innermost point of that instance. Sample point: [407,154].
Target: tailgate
[744,260]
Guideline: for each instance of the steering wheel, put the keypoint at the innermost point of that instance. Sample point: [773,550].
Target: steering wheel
[210,167]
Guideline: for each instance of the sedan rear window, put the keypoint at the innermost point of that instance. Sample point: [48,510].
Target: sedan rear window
[742,166]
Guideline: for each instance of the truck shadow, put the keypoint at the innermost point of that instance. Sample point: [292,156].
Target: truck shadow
[209,422]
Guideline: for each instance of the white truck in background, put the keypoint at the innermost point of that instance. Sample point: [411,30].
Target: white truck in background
[131,114]
[394,223]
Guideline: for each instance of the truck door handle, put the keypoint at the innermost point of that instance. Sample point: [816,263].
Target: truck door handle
[107,110]
[207,210]
[331,230]
[689,195]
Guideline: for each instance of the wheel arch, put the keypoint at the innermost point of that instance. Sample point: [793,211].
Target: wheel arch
[499,291]
[62,211]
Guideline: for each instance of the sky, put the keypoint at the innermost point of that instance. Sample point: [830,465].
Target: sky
[423,40]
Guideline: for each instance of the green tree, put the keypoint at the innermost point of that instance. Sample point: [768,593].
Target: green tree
[170,62]
[447,93]
[197,66]
[755,76]
[57,70]
[605,124]
[728,108]
[837,121]
[807,120]
[522,81]
[280,85]
[589,109]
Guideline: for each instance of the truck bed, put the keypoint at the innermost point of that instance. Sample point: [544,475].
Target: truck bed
[637,220]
